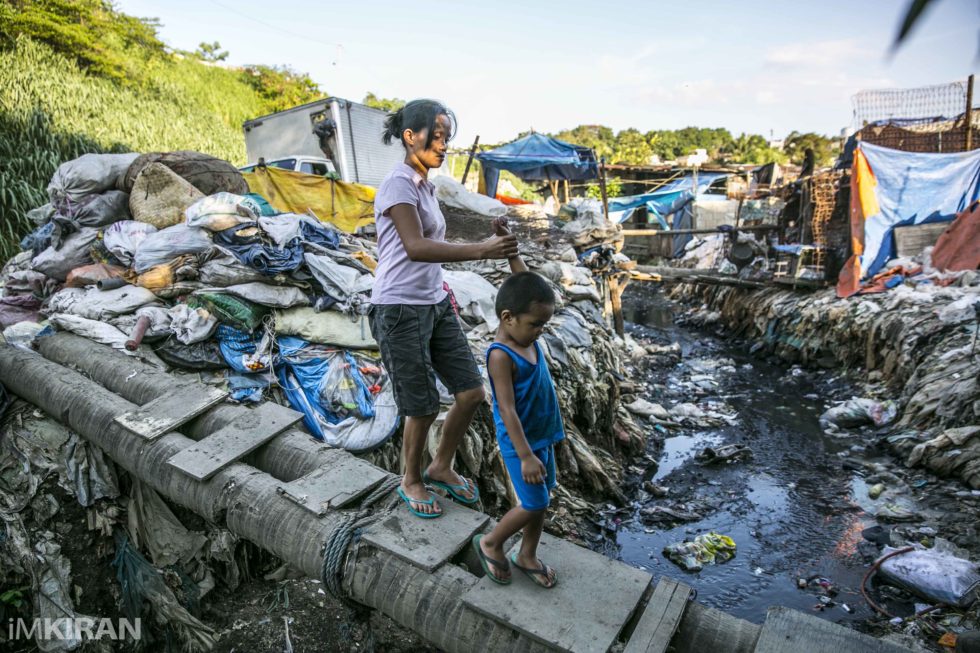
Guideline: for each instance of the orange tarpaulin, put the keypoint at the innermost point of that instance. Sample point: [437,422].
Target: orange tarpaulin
[958,248]
[864,204]
[511,201]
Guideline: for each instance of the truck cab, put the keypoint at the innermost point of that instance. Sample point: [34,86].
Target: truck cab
[299,163]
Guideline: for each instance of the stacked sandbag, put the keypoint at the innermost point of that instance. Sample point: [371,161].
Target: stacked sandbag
[206,173]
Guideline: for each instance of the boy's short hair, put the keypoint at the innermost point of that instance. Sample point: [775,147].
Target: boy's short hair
[521,290]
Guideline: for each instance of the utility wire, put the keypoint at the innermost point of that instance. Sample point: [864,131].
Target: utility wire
[273,27]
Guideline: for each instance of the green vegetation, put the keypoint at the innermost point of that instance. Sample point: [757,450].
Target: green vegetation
[633,147]
[77,76]
[385,104]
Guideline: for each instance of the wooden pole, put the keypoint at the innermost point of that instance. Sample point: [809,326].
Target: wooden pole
[553,185]
[617,284]
[602,188]
[567,197]
[469,159]
[968,114]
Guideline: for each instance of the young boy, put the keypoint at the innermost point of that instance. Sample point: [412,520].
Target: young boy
[528,423]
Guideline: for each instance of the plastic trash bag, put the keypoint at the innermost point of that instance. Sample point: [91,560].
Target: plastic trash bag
[475,297]
[95,210]
[268,295]
[89,275]
[326,328]
[706,549]
[95,304]
[858,412]
[230,310]
[197,357]
[339,281]
[935,574]
[89,173]
[124,237]
[191,325]
[224,269]
[222,211]
[167,244]
[455,194]
[343,390]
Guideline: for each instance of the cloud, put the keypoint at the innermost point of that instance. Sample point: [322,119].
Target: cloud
[817,54]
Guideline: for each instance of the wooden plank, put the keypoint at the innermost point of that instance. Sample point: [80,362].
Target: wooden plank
[166,413]
[660,618]
[791,630]
[426,543]
[333,485]
[244,434]
[585,612]
[912,239]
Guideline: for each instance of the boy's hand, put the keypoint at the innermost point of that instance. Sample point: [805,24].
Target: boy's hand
[500,227]
[532,470]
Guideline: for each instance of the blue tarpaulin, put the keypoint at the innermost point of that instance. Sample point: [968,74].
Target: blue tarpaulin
[664,200]
[913,188]
[537,157]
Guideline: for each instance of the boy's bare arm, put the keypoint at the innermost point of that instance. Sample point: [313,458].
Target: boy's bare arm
[500,228]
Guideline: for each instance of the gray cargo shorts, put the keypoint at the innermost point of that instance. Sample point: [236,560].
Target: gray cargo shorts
[417,344]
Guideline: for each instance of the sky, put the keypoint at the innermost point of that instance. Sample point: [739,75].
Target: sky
[505,67]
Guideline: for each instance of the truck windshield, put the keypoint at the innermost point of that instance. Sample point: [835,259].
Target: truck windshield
[285,164]
[311,168]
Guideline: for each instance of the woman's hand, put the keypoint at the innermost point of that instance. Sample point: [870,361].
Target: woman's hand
[532,470]
[500,247]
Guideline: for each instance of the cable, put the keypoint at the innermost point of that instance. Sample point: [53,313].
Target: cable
[273,27]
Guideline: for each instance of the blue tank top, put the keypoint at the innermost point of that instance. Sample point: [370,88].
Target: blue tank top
[534,399]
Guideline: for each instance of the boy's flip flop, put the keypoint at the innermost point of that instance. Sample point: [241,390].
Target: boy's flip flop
[486,561]
[539,576]
[428,502]
[454,490]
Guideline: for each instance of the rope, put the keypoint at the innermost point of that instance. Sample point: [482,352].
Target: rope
[335,548]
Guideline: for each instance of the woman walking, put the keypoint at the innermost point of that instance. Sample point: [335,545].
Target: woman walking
[412,317]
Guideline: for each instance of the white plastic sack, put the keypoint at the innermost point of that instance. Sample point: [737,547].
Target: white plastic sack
[356,435]
[167,244]
[74,252]
[339,281]
[124,237]
[159,318]
[284,227]
[89,173]
[455,194]
[265,294]
[222,211]
[933,574]
[104,333]
[96,304]
[959,311]
[475,296]
[191,325]
[326,328]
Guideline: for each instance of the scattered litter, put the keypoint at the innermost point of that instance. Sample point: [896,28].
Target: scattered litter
[706,549]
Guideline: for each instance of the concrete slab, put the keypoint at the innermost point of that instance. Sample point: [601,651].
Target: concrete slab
[791,630]
[660,618]
[166,413]
[585,612]
[334,485]
[426,543]
[245,434]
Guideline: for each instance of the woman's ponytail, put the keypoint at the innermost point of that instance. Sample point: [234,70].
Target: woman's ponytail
[393,127]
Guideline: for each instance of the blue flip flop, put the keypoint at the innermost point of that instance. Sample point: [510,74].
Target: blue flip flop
[453,490]
[428,502]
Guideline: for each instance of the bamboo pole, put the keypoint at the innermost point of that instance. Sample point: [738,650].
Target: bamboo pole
[602,188]
[968,114]
[469,159]
[678,232]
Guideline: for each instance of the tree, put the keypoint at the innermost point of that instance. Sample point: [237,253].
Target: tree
[385,104]
[282,87]
[631,148]
[599,137]
[752,148]
[211,52]
[824,149]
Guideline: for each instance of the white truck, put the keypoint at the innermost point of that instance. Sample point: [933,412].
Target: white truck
[329,136]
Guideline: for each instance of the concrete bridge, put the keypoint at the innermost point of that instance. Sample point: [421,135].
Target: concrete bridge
[248,470]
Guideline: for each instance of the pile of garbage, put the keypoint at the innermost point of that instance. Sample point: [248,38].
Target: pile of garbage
[169,258]
[915,343]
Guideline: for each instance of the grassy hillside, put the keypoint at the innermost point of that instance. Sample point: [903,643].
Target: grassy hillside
[66,88]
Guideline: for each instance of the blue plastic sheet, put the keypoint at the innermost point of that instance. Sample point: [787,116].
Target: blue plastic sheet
[537,157]
[914,188]
[245,385]
[660,201]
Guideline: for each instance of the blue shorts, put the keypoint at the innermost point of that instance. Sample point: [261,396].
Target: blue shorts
[533,497]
